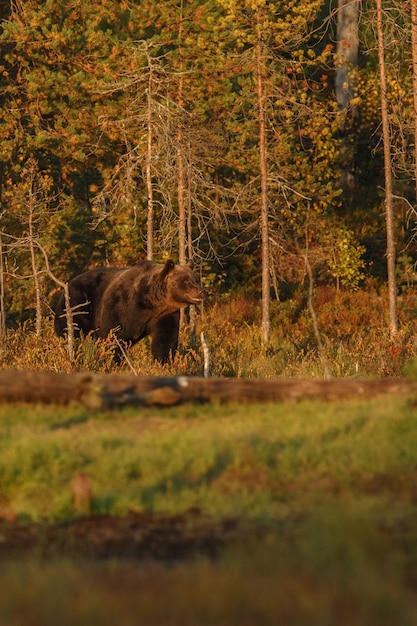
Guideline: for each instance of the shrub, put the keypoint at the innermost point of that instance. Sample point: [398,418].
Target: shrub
[353,327]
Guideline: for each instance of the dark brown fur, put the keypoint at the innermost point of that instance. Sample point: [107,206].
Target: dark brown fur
[135,302]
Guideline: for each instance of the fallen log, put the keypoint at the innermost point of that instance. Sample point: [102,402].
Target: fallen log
[100,391]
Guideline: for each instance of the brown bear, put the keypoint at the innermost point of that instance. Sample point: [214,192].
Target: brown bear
[133,302]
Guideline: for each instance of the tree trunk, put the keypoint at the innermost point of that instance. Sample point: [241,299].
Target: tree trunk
[347,53]
[182,221]
[414,55]
[182,230]
[2,290]
[35,272]
[2,299]
[148,168]
[389,205]
[104,391]
[263,167]
[190,251]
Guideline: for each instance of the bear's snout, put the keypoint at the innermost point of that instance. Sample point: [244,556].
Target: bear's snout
[195,295]
[199,295]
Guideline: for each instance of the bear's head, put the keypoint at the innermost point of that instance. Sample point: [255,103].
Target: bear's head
[181,283]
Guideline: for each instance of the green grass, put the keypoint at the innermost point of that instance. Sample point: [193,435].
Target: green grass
[236,460]
[325,492]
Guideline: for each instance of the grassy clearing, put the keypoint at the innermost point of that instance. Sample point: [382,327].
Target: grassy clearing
[331,488]
[325,494]
[256,461]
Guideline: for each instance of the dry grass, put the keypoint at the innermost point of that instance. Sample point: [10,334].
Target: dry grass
[353,327]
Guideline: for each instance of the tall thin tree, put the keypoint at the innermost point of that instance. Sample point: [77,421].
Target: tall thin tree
[148,166]
[182,220]
[34,203]
[347,54]
[414,57]
[389,204]
[2,298]
[263,167]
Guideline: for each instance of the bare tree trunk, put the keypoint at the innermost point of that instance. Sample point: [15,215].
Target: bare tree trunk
[266,296]
[2,299]
[182,230]
[347,53]
[389,205]
[414,54]
[190,251]
[35,272]
[182,221]
[2,290]
[148,173]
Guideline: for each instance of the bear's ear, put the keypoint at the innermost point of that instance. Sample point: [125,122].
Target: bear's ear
[168,267]
[190,264]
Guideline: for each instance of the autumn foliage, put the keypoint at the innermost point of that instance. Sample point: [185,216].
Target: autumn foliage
[131,129]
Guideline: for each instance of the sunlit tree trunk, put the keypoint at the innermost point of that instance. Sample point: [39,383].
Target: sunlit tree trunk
[181,204]
[347,53]
[266,323]
[389,205]
[347,48]
[414,55]
[2,291]
[32,202]
[190,250]
[148,174]
[4,12]
[2,298]
[182,221]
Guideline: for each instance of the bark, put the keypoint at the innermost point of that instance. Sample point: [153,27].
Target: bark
[35,271]
[414,56]
[389,203]
[190,251]
[263,166]
[182,221]
[2,286]
[347,51]
[181,203]
[2,299]
[148,173]
[103,391]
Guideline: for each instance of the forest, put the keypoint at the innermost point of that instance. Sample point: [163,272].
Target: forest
[274,144]
[268,141]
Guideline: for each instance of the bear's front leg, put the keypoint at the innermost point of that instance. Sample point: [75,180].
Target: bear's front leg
[164,336]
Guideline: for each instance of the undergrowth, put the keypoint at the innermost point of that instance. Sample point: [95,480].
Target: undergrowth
[353,329]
